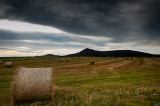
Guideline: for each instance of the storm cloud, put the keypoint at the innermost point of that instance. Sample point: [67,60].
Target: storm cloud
[123,22]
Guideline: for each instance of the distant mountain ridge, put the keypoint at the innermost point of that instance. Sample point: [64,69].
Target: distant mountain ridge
[90,52]
[114,53]
[49,55]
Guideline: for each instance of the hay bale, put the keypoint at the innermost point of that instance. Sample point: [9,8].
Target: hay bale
[0,62]
[61,60]
[131,58]
[92,62]
[9,64]
[67,60]
[32,84]
[107,58]
[35,58]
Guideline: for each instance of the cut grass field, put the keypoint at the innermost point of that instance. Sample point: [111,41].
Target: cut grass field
[108,82]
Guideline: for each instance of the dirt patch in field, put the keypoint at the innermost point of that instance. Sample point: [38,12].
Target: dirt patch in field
[119,65]
[155,61]
[84,65]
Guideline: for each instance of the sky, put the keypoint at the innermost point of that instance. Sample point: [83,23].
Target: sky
[60,27]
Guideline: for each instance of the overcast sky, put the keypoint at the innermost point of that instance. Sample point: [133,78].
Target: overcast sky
[38,27]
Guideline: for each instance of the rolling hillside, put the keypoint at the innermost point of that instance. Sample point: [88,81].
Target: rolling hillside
[116,53]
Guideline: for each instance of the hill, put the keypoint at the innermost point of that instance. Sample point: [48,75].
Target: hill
[49,55]
[115,53]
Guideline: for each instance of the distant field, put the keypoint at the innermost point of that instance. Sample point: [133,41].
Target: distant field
[110,82]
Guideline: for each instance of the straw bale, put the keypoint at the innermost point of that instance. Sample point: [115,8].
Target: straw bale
[9,64]
[32,84]
[67,60]
[92,62]
[35,58]
[61,60]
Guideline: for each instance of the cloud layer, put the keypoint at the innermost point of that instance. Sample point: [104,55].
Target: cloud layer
[98,24]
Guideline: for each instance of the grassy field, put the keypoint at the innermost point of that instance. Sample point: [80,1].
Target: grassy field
[110,82]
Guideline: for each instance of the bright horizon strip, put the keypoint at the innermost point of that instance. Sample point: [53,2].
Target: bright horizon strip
[19,26]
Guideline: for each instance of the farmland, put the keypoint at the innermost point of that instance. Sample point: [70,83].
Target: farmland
[111,81]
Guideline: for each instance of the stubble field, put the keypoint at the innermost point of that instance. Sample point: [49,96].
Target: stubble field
[114,81]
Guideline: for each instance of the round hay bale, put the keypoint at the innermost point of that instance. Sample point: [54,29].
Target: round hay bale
[67,60]
[9,64]
[131,58]
[61,60]
[0,62]
[35,58]
[32,84]
[92,62]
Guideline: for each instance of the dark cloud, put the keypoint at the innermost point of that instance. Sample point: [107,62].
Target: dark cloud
[92,17]
[122,20]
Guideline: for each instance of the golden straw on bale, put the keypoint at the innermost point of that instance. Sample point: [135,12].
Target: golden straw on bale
[61,60]
[67,60]
[32,84]
[35,58]
[9,64]
[92,62]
